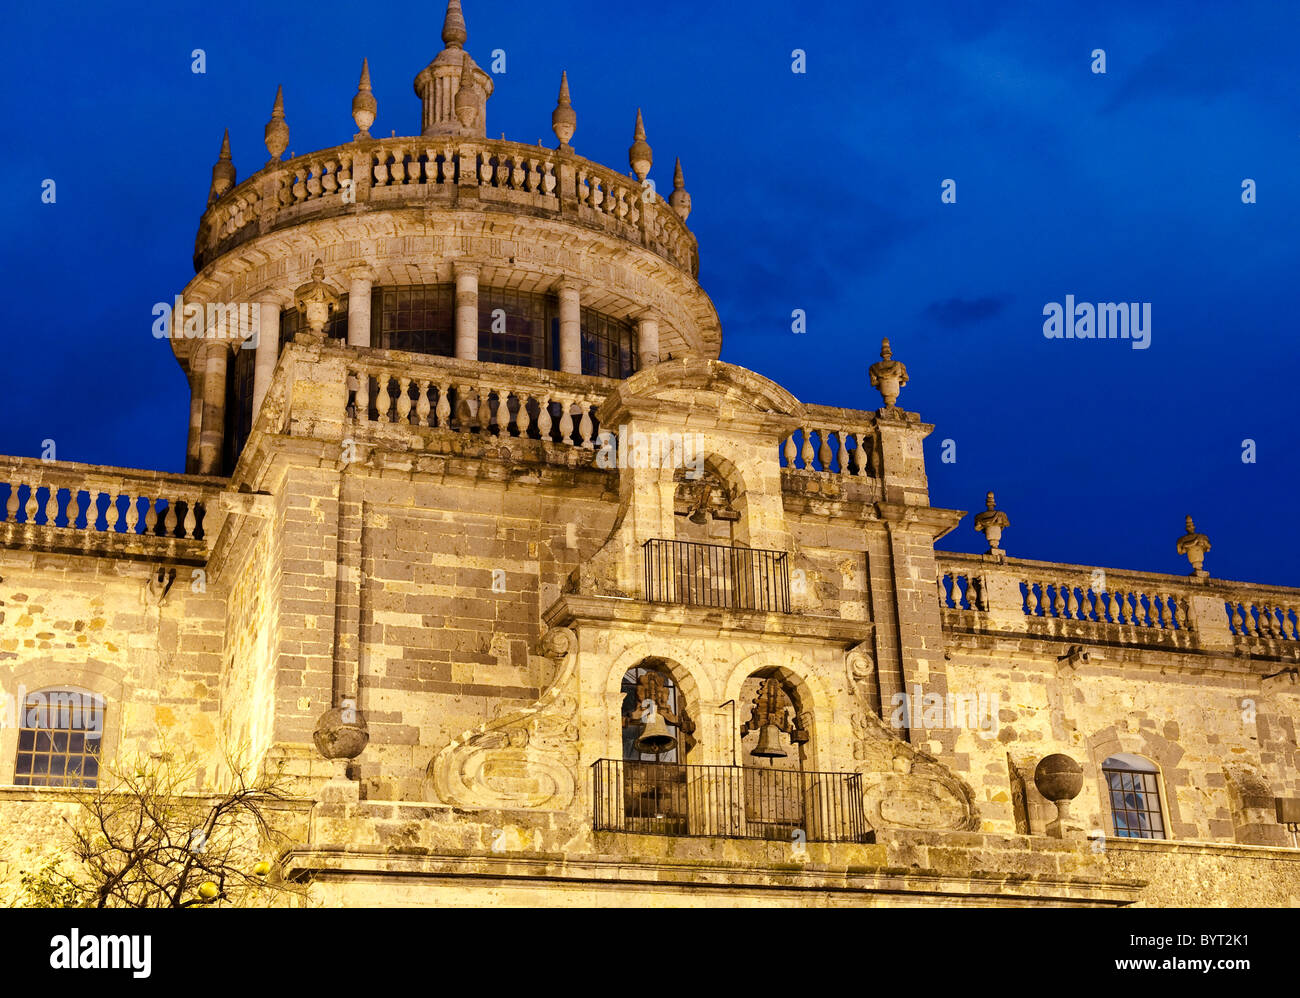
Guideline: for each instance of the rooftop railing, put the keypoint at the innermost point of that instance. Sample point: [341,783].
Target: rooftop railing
[508,176]
[1076,602]
[79,508]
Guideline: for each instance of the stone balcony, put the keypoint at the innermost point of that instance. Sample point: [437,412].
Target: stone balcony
[468,174]
[1096,607]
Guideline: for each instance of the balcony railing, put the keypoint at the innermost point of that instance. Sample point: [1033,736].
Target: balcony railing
[739,802]
[716,575]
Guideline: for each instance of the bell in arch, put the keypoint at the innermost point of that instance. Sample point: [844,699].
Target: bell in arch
[769,743]
[655,738]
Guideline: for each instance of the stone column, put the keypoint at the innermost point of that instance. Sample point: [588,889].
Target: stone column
[363,282]
[268,350]
[570,326]
[196,415]
[213,357]
[647,341]
[466,310]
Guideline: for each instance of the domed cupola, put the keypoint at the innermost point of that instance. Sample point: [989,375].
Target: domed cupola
[453,89]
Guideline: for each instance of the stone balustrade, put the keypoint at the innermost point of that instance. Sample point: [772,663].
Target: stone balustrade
[78,508]
[1075,602]
[507,176]
[442,393]
[832,441]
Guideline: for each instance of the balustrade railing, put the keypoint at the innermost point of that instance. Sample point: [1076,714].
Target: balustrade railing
[50,504]
[408,168]
[1150,608]
[836,441]
[739,802]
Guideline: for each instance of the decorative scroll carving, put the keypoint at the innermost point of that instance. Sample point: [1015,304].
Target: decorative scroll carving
[902,786]
[525,759]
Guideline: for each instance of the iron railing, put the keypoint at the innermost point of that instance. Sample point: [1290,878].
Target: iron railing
[717,575]
[738,802]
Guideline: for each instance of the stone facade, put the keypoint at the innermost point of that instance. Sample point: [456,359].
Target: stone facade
[425,579]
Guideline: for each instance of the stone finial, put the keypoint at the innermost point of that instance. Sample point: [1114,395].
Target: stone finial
[1059,779]
[1193,546]
[991,523]
[314,300]
[679,200]
[564,120]
[223,171]
[466,107]
[364,105]
[454,32]
[888,376]
[277,130]
[639,155]
[341,732]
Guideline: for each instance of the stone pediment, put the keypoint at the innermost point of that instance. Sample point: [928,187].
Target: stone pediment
[694,392]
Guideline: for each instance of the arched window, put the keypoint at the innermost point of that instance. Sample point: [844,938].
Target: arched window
[1133,785]
[60,734]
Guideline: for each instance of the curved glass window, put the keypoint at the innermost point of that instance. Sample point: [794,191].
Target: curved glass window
[419,318]
[606,345]
[518,327]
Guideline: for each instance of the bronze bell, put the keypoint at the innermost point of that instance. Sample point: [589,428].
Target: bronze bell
[769,743]
[655,738]
[699,516]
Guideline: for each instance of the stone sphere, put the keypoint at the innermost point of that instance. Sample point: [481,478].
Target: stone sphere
[341,733]
[1058,777]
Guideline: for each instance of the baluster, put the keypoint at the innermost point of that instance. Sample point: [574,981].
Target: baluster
[981,603]
[404,400]
[381,169]
[383,400]
[548,178]
[169,521]
[132,513]
[824,450]
[32,506]
[191,518]
[52,506]
[299,187]
[516,174]
[150,517]
[1122,600]
[398,167]
[1158,610]
[74,510]
[544,417]
[789,451]
[622,203]
[442,411]
[566,423]
[942,582]
[422,402]
[1265,620]
[1175,622]
[522,417]
[362,404]
[314,180]
[111,513]
[11,504]
[597,194]
[330,178]
[1031,601]
[807,453]
[1058,605]
[586,428]
[842,456]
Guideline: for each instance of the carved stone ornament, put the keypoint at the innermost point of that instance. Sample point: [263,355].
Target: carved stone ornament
[902,786]
[888,376]
[525,759]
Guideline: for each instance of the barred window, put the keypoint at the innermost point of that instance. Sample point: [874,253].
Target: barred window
[514,327]
[606,345]
[419,318]
[336,327]
[1133,785]
[59,738]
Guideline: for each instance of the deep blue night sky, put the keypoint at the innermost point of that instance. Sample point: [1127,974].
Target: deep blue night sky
[818,192]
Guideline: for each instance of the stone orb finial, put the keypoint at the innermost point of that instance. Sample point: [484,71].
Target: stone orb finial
[639,155]
[277,129]
[991,523]
[315,300]
[1193,546]
[454,32]
[341,732]
[888,376]
[1059,779]
[680,200]
[564,120]
[364,105]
